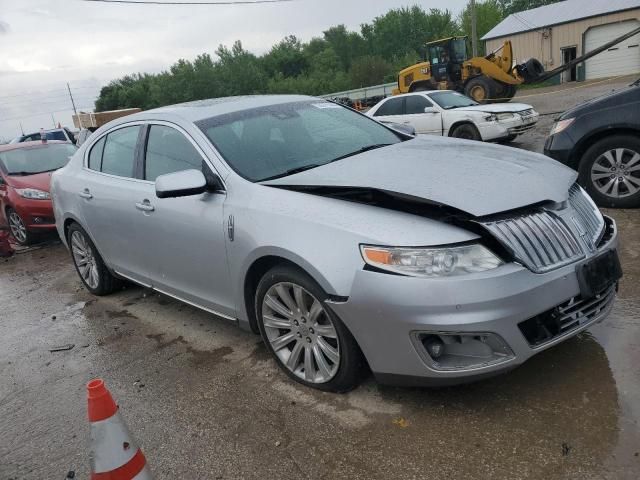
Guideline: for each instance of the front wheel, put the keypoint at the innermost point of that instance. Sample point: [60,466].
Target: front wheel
[89,264]
[307,340]
[466,131]
[18,228]
[610,171]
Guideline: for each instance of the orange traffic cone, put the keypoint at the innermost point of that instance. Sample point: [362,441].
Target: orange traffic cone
[114,453]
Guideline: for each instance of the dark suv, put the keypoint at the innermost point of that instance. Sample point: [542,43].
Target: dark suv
[601,140]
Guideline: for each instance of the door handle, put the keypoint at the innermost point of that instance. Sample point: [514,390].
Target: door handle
[145,206]
[406,123]
[86,194]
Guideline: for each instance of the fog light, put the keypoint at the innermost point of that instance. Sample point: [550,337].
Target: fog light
[460,351]
[434,346]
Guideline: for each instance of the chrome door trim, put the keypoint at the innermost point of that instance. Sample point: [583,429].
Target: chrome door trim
[188,302]
[193,304]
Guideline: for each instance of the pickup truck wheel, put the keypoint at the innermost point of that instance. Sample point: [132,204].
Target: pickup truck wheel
[308,341]
[89,264]
[466,131]
[610,171]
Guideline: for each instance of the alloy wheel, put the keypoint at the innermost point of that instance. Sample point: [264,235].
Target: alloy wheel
[301,332]
[616,173]
[84,259]
[18,229]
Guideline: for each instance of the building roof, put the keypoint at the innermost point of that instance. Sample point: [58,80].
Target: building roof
[557,13]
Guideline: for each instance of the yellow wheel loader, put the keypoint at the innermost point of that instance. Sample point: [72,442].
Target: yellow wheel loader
[492,78]
[485,79]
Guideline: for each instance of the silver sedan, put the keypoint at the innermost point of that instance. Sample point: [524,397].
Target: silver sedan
[343,242]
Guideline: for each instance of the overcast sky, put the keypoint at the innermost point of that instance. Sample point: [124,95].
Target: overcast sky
[46,43]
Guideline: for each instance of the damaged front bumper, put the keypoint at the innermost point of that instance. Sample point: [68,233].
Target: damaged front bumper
[393,318]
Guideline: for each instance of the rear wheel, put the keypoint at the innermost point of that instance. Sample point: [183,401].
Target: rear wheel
[89,264]
[610,171]
[307,340]
[18,228]
[466,131]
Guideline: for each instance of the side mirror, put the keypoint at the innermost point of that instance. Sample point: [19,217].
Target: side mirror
[181,184]
[403,128]
[430,110]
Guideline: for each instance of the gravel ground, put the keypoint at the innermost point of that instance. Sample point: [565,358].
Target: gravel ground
[205,400]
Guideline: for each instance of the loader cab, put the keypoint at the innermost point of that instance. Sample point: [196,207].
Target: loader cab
[446,57]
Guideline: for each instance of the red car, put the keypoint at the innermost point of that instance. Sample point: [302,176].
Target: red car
[25,177]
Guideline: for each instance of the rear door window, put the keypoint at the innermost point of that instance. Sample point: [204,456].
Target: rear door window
[95,155]
[169,151]
[119,153]
[393,106]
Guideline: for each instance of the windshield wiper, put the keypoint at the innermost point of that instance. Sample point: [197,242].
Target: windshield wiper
[361,150]
[21,174]
[292,171]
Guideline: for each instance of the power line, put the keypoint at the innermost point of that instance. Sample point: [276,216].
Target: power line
[156,2]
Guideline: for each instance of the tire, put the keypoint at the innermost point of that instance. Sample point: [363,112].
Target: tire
[335,360]
[481,88]
[18,228]
[96,278]
[599,159]
[467,132]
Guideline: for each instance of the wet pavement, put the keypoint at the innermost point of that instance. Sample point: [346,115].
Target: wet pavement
[205,400]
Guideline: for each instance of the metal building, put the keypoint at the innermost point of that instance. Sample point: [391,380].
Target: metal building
[558,33]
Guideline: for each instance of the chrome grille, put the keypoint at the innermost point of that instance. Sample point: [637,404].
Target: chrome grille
[540,240]
[525,113]
[590,216]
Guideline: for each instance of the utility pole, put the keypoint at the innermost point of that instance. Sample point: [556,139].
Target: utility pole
[72,102]
[21,129]
[474,36]
[53,120]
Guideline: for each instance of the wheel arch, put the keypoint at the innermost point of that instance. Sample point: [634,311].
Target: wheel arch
[588,141]
[459,123]
[256,269]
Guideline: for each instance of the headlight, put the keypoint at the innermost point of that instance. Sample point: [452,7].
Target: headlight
[504,116]
[561,125]
[491,118]
[33,194]
[431,262]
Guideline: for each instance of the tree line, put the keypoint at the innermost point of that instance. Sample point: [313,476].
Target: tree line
[338,60]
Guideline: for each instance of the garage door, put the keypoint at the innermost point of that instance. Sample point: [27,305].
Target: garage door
[620,59]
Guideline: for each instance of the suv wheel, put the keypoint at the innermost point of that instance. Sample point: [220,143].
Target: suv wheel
[18,228]
[307,340]
[610,171]
[89,264]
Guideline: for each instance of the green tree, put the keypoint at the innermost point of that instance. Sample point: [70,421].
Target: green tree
[368,70]
[286,57]
[488,15]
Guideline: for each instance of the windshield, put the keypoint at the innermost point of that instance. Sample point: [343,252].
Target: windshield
[280,140]
[32,160]
[449,100]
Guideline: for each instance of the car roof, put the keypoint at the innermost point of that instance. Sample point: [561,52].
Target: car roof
[202,109]
[32,144]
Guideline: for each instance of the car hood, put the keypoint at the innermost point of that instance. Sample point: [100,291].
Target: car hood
[624,96]
[495,108]
[39,181]
[477,178]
